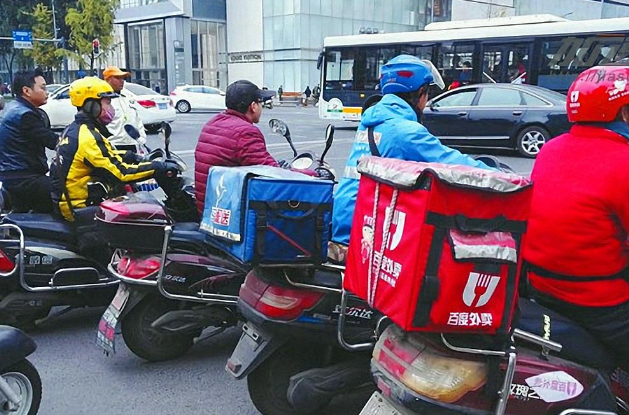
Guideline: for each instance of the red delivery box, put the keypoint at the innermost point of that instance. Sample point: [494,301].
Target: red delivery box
[436,247]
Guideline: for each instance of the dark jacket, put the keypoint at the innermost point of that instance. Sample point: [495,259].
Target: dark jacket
[24,135]
[579,217]
[228,140]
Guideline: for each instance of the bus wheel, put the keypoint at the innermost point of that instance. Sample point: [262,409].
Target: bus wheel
[531,140]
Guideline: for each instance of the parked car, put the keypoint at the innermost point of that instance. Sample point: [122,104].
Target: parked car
[520,117]
[152,107]
[198,97]
[53,87]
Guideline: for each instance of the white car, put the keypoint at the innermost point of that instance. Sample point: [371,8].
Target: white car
[152,107]
[198,97]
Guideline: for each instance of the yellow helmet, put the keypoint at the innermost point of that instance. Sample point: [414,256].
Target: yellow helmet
[89,87]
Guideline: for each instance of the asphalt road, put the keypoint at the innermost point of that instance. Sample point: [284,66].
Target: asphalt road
[79,379]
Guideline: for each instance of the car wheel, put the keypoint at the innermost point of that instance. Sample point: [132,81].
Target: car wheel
[183,106]
[531,140]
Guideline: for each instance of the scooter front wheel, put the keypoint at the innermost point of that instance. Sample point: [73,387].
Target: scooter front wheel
[149,343]
[268,383]
[24,379]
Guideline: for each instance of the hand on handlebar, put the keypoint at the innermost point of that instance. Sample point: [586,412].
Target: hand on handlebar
[167,168]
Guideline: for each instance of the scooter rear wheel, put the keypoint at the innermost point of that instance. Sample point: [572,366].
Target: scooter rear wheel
[268,383]
[24,379]
[152,344]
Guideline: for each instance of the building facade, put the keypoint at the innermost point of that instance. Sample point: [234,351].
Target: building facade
[166,43]
[276,43]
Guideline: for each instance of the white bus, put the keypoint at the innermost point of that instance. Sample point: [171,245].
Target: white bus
[542,50]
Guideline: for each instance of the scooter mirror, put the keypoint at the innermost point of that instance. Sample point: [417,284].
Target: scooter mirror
[329,138]
[132,131]
[166,131]
[280,127]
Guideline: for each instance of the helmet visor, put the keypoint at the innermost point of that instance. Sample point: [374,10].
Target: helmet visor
[108,95]
[438,80]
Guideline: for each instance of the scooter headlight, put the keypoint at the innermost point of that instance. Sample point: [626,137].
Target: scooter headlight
[414,363]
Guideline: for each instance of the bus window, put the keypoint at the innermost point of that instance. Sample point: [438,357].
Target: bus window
[562,59]
[339,71]
[506,63]
[455,64]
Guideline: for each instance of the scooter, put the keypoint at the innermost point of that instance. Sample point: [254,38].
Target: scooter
[165,302]
[20,384]
[289,350]
[549,366]
[41,267]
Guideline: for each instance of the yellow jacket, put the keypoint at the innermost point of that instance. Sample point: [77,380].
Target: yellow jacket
[85,155]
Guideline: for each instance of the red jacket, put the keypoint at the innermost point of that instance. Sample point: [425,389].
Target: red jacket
[580,216]
[228,139]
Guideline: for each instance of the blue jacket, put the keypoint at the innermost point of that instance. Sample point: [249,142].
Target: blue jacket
[24,135]
[397,135]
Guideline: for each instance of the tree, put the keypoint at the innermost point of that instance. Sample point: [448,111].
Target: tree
[91,19]
[45,54]
[14,16]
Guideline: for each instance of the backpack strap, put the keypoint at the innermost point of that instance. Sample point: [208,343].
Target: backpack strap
[372,143]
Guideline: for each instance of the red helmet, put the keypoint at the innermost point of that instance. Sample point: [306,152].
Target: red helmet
[598,94]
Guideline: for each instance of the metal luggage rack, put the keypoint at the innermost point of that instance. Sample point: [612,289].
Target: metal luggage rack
[112,268]
[19,267]
[201,296]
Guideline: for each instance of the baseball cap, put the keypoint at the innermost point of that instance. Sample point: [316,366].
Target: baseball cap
[242,93]
[114,71]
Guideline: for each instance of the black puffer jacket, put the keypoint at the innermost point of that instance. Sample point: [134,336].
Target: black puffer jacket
[24,135]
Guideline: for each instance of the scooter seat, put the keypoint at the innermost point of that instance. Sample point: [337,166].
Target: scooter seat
[190,232]
[42,226]
[577,343]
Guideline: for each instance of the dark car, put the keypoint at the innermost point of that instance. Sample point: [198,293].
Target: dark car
[521,117]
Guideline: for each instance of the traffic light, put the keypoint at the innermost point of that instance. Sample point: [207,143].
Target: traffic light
[95,47]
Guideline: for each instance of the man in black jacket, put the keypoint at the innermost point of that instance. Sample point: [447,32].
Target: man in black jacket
[24,135]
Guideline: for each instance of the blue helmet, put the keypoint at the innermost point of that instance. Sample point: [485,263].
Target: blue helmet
[406,73]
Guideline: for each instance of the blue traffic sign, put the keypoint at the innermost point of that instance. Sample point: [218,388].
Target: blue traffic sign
[22,39]
[22,36]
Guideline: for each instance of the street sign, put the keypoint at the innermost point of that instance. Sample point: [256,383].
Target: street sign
[22,39]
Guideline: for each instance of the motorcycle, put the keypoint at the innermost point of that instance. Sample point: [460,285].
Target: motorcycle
[289,350]
[41,267]
[20,384]
[166,301]
[560,369]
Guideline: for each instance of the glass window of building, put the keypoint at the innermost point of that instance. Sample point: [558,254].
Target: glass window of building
[208,52]
[146,54]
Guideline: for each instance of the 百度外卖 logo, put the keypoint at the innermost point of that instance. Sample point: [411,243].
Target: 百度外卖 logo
[476,281]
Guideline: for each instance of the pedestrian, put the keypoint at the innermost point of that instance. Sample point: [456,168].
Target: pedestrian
[306,96]
[280,91]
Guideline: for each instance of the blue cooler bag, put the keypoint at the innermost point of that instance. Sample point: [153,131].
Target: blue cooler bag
[262,214]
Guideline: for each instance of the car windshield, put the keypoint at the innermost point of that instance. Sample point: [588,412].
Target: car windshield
[139,89]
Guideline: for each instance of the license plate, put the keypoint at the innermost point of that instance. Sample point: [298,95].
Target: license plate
[106,335]
[250,348]
[162,105]
[378,405]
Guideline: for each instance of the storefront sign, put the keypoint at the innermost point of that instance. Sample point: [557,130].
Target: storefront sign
[245,57]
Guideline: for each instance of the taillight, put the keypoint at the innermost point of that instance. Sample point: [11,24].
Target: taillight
[6,265]
[147,103]
[275,301]
[422,369]
[171,102]
[138,268]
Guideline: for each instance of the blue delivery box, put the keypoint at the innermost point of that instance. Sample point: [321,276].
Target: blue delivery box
[268,215]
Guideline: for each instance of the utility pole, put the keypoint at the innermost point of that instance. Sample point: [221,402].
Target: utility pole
[602,7]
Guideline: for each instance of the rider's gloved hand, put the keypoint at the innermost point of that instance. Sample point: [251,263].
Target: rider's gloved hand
[131,157]
[166,168]
[284,164]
